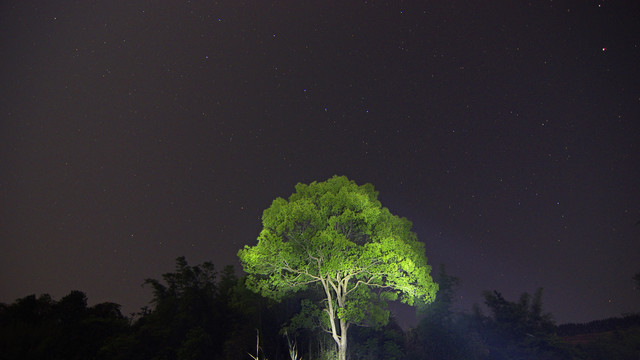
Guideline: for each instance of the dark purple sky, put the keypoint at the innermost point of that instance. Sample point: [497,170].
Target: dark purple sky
[507,131]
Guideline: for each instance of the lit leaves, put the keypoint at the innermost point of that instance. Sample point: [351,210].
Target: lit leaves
[338,232]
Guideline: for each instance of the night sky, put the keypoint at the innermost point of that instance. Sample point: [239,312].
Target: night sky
[134,132]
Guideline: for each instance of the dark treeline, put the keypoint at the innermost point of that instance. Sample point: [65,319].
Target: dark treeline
[599,326]
[199,313]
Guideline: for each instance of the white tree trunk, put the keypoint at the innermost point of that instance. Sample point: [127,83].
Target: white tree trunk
[342,346]
[340,295]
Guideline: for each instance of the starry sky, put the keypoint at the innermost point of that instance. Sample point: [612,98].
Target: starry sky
[508,131]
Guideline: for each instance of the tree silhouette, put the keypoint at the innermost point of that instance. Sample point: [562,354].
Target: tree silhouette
[441,333]
[41,328]
[518,330]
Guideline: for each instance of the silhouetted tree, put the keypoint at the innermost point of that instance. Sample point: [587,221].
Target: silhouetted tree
[185,321]
[441,333]
[196,314]
[27,327]
[518,330]
[41,328]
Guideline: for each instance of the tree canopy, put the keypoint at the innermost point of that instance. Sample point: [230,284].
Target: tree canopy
[336,236]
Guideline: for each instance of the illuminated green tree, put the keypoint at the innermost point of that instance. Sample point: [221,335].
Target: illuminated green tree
[336,236]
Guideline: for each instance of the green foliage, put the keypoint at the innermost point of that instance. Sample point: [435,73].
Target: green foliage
[309,317]
[336,229]
[336,236]
[383,343]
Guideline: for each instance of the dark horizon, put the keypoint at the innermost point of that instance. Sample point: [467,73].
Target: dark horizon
[508,133]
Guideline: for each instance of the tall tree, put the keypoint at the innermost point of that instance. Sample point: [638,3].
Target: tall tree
[185,322]
[336,236]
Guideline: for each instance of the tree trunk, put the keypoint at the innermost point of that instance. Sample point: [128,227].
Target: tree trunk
[342,346]
[340,296]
